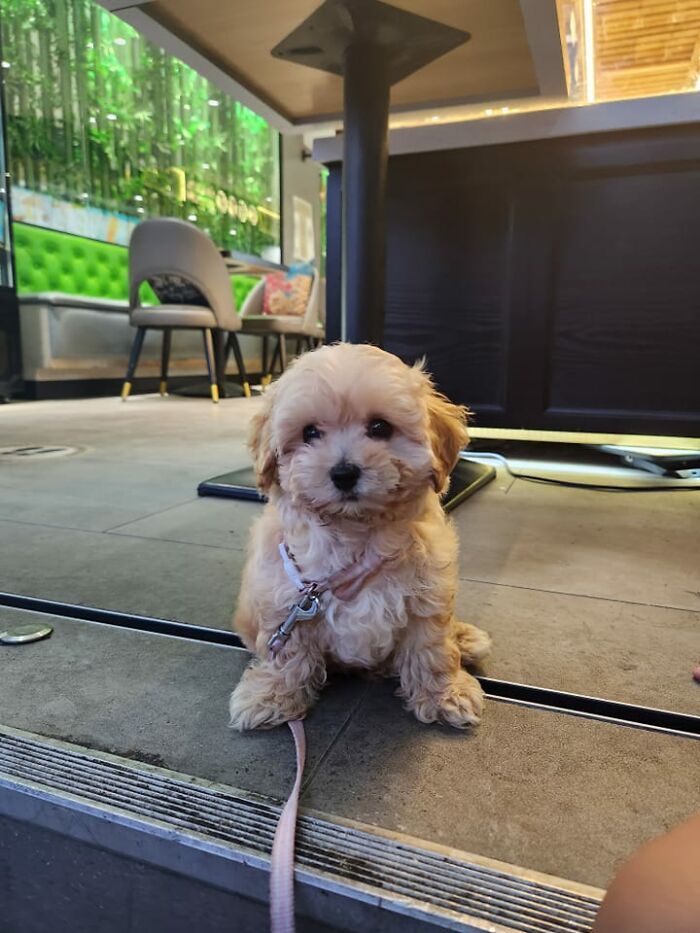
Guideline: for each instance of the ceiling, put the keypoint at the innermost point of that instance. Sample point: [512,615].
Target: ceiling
[523,55]
[237,38]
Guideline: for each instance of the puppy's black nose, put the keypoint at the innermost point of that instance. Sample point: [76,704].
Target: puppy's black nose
[345,475]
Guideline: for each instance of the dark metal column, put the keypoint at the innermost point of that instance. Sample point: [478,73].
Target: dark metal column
[366,110]
[372,45]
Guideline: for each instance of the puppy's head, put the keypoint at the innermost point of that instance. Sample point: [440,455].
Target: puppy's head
[351,430]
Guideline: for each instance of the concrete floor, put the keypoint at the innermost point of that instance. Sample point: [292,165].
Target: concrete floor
[584,591]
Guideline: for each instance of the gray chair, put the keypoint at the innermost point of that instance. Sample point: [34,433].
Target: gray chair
[186,271]
[308,328]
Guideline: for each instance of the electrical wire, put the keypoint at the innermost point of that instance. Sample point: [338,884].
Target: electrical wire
[572,484]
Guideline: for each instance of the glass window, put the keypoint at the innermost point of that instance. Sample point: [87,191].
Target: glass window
[5,241]
[105,129]
[617,49]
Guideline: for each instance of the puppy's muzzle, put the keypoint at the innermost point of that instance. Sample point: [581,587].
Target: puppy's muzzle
[345,476]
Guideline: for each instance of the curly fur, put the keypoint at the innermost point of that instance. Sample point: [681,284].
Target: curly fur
[399,621]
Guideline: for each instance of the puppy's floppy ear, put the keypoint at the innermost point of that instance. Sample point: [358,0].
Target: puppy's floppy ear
[261,446]
[447,429]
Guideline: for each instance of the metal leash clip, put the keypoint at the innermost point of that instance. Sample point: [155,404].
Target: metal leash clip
[306,608]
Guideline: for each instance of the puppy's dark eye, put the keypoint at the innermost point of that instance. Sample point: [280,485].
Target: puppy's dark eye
[311,433]
[379,429]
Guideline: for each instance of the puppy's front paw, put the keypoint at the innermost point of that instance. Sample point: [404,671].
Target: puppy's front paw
[474,643]
[460,705]
[256,704]
[248,712]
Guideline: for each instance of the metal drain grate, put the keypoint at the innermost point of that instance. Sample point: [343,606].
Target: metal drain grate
[445,887]
[38,452]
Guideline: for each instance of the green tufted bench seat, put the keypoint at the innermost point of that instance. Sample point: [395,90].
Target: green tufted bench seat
[74,313]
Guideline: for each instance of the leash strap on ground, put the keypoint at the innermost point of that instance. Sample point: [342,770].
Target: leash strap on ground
[282,861]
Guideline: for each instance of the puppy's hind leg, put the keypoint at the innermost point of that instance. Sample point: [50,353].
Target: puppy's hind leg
[432,682]
[474,643]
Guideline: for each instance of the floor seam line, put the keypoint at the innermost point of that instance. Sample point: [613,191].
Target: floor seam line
[19,521]
[215,547]
[143,518]
[334,741]
[606,599]
[118,534]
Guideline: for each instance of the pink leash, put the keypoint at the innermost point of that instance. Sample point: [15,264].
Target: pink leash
[282,860]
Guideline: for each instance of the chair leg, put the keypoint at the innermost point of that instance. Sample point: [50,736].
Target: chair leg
[265,356]
[267,379]
[236,347]
[221,351]
[165,360]
[297,352]
[134,355]
[211,365]
[309,343]
[283,352]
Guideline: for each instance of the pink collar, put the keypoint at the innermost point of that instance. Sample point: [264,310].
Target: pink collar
[344,585]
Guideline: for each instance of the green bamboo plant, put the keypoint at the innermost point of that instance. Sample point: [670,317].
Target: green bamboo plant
[99,116]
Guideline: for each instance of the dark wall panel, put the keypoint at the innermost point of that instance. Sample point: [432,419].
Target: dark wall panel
[552,284]
[625,302]
[447,296]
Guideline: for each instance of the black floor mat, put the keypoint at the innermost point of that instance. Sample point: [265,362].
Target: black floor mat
[466,478]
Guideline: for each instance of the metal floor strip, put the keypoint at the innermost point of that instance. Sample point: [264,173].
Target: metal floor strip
[685,725]
[446,888]
[149,624]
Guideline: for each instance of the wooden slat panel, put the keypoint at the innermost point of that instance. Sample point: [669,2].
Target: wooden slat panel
[645,47]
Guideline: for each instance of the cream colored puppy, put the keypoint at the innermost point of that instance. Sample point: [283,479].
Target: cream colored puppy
[354,450]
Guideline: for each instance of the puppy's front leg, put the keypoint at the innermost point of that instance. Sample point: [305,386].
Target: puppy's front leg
[276,690]
[432,681]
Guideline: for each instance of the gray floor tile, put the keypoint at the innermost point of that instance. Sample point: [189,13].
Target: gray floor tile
[87,493]
[156,699]
[134,460]
[639,547]
[212,521]
[145,428]
[555,793]
[186,582]
[620,651]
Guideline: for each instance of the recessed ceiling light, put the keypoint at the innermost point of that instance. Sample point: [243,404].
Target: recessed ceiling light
[505,109]
[489,112]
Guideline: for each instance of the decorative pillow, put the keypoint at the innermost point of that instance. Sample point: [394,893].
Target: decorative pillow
[287,293]
[172,289]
